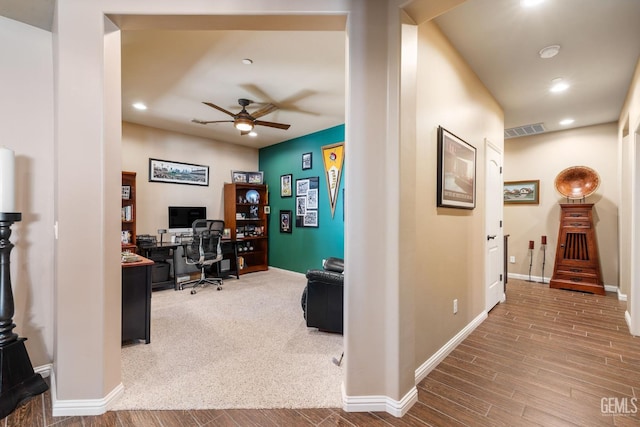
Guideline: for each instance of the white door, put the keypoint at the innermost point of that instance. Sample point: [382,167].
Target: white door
[494,241]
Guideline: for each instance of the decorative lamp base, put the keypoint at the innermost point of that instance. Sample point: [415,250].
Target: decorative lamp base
[19,381]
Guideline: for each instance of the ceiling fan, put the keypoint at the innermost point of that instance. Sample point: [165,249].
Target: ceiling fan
[243,121]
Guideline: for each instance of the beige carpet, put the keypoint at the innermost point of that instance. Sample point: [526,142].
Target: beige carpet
[246,346]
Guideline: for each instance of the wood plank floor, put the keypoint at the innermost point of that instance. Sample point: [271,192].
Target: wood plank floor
[545,357]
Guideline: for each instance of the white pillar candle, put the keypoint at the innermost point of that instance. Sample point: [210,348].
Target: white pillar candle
[7,177]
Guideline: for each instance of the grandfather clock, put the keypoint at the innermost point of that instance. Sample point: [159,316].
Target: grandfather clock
[577,263]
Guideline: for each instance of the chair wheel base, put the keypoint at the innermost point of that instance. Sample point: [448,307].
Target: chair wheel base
[193,291]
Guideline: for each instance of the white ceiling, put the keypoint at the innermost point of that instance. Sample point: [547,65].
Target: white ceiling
[303,72]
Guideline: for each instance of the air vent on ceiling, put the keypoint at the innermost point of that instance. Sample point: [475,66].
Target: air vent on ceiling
[524,130]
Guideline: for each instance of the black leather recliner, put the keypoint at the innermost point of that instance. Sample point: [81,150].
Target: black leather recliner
[322,299]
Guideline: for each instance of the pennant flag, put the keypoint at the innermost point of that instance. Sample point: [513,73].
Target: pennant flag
[333,158]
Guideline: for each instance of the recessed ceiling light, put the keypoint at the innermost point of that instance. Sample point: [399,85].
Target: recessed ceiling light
[252,133]
[558,85]
[139,106]
[566,122]
[530,3]
[549,51]
[247,61]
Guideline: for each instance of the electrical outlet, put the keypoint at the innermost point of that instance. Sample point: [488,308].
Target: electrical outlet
[512,259]
[455,306]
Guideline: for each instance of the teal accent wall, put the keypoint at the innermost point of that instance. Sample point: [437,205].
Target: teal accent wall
[304,247]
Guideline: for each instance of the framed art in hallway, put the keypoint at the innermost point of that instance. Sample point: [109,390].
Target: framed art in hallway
[522,192]
[456,171]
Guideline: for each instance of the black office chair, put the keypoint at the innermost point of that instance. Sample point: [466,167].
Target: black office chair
[204,251]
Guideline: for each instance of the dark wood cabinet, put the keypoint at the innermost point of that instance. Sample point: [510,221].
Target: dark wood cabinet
[244,215]
[577,263]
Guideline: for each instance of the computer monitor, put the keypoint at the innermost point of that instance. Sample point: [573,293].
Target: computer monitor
[181,217]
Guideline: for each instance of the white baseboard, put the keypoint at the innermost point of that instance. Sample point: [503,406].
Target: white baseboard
[397,408]
[538,279]
[444,351]
[287,271]
[400,407]
[82,407]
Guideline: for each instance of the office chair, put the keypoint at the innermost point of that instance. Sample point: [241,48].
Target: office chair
[204,251]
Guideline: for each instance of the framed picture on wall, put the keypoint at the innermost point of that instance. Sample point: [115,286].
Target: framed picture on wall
[178,172]
[522,192]
[456,172]
[307,161]
[285,222]
[307,204]
[286,190]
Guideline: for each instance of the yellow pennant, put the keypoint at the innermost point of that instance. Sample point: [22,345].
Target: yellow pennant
[333,158]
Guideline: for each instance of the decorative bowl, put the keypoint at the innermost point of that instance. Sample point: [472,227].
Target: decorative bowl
[577,182]
[253,196]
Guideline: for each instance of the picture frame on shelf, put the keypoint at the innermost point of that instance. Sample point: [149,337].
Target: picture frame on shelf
[178,172]
[522,192]
[239,177]
[286,189]
[255,177]
[307,161]
[285,222]
[126,192]
[456,172]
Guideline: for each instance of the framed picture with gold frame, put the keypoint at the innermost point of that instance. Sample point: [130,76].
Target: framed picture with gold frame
[522,192]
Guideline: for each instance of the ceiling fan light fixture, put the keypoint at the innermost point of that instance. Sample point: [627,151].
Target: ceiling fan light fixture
[549,51]
[530,3]
[558,85]
[243,124]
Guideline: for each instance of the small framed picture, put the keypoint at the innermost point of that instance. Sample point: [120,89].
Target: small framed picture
[286,190]
[126,192]
[239,177]
[267,209]
[301,206]
[255,177]
[285,222]
[226,233]
[306,161]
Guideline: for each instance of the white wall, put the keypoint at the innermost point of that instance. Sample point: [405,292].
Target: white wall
[140,143]
[448,259]
[26,126]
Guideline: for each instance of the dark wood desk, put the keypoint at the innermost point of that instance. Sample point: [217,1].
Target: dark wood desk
[136,300]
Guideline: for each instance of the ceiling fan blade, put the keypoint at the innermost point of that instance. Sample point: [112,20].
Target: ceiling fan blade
[218,108]
[272,124]
[269,108]
[206,122]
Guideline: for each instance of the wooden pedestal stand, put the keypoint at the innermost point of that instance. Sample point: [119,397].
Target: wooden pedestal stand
[577,264]
[17,379]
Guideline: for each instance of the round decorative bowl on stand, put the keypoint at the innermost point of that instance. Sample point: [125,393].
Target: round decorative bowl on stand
[577,182]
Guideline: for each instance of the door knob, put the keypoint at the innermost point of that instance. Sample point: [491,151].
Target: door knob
[489,237]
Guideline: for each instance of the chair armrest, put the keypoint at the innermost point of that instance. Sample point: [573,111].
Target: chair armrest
[329,277]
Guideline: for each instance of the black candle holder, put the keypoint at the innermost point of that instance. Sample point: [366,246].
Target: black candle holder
[544,259]
[18,381]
